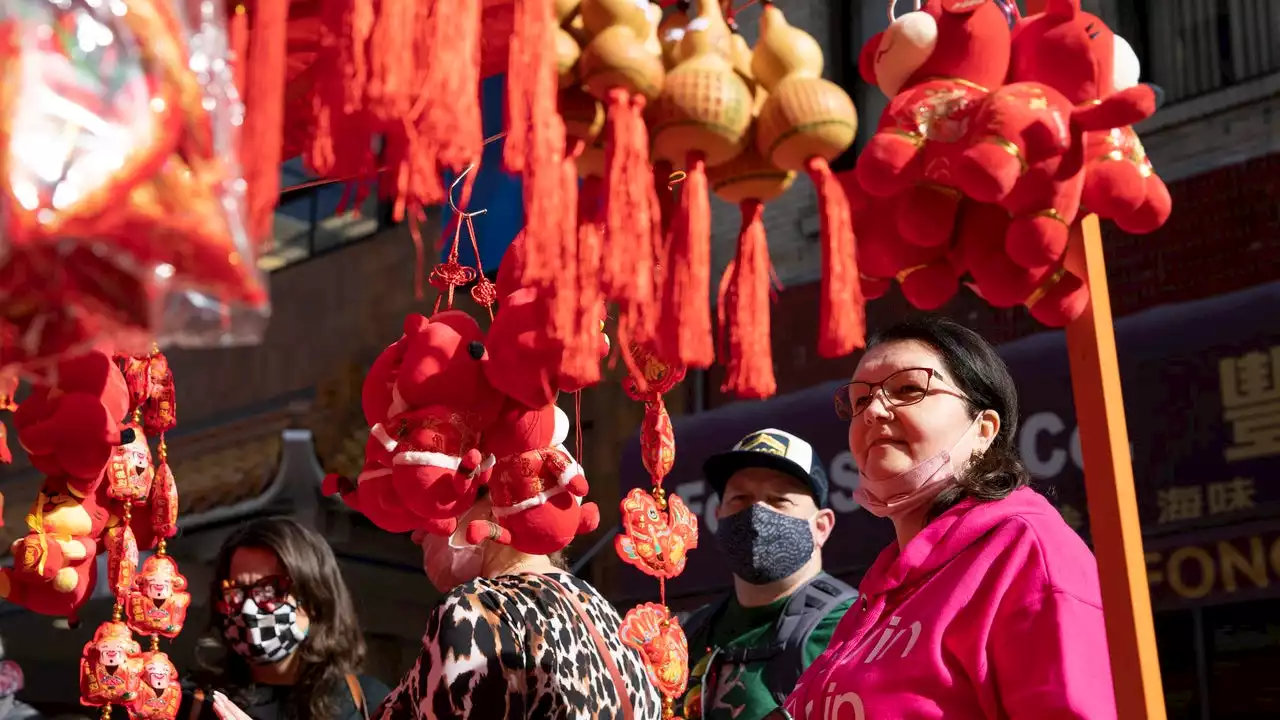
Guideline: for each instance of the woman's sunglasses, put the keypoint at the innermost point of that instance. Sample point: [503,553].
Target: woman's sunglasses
[267,593]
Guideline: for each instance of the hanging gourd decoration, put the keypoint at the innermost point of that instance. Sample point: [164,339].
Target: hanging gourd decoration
[671,33]
[584,124]
[748,181]
[670,36]
[804,123]
[620,69]
[701,121]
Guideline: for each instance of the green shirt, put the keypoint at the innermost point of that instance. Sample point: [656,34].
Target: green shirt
[738,691]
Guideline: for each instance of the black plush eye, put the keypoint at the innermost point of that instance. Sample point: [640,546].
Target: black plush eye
[476,349]
[127,436]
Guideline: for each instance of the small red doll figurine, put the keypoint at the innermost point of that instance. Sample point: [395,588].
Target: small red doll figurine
[159,693]
[110,666]
[158,603]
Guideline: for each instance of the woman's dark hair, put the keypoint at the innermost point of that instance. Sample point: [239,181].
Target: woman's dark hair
[977,370]
[334,646]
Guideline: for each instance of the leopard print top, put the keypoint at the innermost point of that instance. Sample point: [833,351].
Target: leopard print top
[515,648]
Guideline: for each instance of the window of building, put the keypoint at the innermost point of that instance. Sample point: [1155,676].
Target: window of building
[1244,660]
[1176,640]
[314,218]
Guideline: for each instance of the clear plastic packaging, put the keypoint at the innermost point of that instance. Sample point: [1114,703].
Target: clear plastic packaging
[121,197]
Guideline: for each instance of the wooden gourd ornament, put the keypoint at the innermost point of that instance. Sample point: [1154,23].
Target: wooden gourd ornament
[805,122]
[622,69]
[670,37]
[701,121]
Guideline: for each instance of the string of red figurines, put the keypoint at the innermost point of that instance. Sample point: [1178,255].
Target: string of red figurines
[102,493]
[658,533]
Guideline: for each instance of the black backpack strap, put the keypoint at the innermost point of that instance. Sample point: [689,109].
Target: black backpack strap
[699,621]
[801,615]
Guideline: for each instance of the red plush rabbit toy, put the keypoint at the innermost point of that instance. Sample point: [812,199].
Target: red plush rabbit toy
[937,65]
[1027,152]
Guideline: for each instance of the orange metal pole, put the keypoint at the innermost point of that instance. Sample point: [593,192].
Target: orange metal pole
[1108,475]
[1108,471]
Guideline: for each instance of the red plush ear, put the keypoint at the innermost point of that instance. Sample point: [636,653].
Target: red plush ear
[415,323]
[962,7]
[511,269]
[1065,9]
[524,361]
[377,393]
[867,59]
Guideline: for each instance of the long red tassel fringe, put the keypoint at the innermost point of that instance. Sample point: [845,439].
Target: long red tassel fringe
[842,313]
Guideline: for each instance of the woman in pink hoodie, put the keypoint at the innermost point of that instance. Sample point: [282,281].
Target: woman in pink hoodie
[988,605]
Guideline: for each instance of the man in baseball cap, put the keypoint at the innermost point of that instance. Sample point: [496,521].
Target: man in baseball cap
[748,649]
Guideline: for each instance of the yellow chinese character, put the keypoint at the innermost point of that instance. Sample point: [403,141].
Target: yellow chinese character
[1251,403]
[1180,503]
[1230,496]
[1072,516]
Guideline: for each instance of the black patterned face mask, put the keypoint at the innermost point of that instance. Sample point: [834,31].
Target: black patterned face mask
[763,545]
[260,636]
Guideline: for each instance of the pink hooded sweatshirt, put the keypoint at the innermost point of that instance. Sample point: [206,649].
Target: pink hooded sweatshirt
[992,611]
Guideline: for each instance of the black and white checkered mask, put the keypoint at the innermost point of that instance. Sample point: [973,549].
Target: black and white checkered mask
[263,637]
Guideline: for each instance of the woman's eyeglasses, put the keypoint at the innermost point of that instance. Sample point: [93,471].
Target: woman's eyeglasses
[268,594]
[902,388]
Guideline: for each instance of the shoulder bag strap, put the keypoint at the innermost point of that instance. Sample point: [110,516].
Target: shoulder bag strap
[357,695]
[197,704]
[628,712]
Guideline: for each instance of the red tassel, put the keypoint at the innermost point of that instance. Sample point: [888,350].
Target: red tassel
[535,141]
[262,136]
[583,366]
[744,300]
[394,68]
[618,280]
[452,92]
[646,222]
[684,332]
[843,309]
[565,304]
[666,196]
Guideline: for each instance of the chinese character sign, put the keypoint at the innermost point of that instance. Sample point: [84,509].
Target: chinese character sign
[1251,403]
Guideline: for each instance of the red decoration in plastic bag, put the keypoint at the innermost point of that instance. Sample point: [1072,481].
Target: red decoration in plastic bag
[122,559]
[159,693]
[656,539]
[130,472]
[110,666]
[657,440]
[158,603]
[651,629]
[655,376]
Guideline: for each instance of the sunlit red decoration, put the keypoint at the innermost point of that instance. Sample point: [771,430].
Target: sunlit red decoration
[119,197]
[159,693]
[1002,132]
[654,631]
[152,599]
[658,531]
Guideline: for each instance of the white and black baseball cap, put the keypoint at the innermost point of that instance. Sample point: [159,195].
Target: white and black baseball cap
[773,449]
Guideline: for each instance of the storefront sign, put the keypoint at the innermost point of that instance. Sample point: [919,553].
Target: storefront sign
[1202,394]
[1189,570]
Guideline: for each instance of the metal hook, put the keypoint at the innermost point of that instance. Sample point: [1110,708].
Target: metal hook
[893,10]
[454,186]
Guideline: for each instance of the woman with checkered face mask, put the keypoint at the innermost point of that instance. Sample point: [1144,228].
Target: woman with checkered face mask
[284,637]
